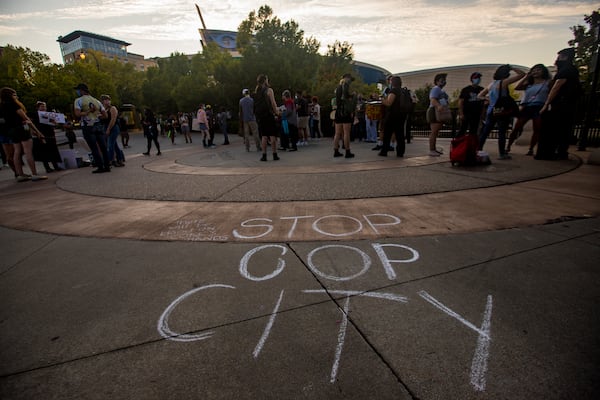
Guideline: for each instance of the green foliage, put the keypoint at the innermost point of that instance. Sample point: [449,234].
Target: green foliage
[586,45]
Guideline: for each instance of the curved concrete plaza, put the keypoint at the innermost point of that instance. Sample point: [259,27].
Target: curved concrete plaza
[208,274]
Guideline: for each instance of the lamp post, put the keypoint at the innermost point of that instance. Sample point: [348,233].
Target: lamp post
[83,56]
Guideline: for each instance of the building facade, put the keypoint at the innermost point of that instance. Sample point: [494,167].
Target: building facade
[74,47]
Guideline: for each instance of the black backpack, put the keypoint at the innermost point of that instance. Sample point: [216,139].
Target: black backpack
[262,106]
[405,102]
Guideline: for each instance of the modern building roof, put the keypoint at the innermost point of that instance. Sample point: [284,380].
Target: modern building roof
[75,34]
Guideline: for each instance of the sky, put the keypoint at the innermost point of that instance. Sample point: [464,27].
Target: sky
[398,35]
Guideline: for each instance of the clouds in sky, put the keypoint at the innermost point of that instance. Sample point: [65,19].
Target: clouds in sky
[398,35]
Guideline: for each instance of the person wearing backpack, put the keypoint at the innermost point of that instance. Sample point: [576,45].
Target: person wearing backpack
[265,110]
[399,103]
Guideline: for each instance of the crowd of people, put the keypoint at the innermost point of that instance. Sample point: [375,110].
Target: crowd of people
[549,102]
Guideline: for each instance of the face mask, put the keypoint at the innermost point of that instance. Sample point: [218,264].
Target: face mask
[78,92]
[476,81]
[442,84]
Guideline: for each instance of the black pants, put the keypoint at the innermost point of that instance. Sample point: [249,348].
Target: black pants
[391,126]
[289,141]
[557,131]
[152,136]
[96,141]
[471,122]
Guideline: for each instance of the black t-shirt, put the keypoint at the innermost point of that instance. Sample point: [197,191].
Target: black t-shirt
[8,111]
[571,89]
[302,107]
[472,105]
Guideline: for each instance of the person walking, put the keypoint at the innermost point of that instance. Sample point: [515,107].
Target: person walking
[90,110]
[150,131]
[344,115]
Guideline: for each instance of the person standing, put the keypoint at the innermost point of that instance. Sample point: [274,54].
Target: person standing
[303,115]
[184,125]
[204,125]
[112,129]
[150,131]
[497,89]
[394,119]
[265,110]
[344,115]
[47,150]
[315,118]
[248,120]
[558,112]
[290,114]
[438,100]
[90,110]
[470,107]
[18,128]
[536,87]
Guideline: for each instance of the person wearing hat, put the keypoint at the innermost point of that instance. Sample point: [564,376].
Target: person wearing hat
[344,115]
[90,110]
[248,120]
[558,112]
[470,107]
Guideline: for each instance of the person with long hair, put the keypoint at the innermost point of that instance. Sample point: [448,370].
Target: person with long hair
[536,85]
[344,116]
[265,110]
[18,130]
[496,89]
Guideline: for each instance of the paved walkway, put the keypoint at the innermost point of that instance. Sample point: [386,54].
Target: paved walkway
[205,273]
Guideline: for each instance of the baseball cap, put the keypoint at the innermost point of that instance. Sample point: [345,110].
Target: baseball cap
[245,92]
[476,75]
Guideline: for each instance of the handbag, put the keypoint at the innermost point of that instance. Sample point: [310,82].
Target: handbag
[444,116]
[505,106]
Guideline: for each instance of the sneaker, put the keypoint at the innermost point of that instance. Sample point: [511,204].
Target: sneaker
[504,157]
[348,154]
[378,147]
[146,154]
[38,177]
[439,150]
[23,178]
[159,154]
[434,153]
[382,154]
[529,153]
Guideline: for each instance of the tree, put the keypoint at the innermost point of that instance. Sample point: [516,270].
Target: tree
[279,50]
[586,42]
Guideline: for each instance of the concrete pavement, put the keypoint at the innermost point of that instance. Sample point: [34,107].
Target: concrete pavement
[206,274]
